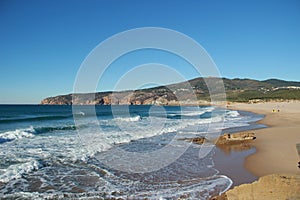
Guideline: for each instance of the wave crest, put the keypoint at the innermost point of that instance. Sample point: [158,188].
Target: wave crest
[17,134]
[31,132]
[128,119]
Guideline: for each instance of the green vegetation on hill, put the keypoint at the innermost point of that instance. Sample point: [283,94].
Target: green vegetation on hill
[237,90]
[245,96]
[245,90]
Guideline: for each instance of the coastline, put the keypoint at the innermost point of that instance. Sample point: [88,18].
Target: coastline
[275,145]
[275,161]
[232,161]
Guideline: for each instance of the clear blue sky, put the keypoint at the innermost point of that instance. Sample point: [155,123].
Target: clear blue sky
[43,42]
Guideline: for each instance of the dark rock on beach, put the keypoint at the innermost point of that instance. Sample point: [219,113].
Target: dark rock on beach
[226,139]
[235,138]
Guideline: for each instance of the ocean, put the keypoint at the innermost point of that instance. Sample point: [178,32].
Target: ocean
[113,152]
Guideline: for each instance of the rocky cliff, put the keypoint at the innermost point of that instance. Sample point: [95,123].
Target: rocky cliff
[161,97]
[182,93]
[187,93]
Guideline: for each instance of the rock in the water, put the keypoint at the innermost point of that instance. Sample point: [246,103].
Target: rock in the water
[226,139]
[235,138]
[196,140]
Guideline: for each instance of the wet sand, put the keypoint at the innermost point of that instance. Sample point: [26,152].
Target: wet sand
[230,162]
[276,145]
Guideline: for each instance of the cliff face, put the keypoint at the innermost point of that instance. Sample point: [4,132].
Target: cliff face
[59,100]
[162,97]
[187,93]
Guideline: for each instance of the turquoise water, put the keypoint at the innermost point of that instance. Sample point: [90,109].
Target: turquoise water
[45,154]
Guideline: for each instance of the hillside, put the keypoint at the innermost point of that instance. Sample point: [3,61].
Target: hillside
[237,90]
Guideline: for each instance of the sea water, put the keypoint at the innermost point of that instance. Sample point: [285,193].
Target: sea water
[49,151]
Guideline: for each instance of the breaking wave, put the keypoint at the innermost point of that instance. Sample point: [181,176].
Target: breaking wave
[128,119]
[31,132]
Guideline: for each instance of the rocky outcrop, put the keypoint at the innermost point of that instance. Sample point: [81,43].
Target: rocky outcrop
[59,100]
[141,97]
[235,138]
[105,100]
[196,140]
[275,186]
[226,139]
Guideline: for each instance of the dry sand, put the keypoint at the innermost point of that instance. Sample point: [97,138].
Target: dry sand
[276,159]
[276,186]
[275,145]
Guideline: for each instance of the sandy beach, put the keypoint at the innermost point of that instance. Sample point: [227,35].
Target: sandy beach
[276,159]
[276,145]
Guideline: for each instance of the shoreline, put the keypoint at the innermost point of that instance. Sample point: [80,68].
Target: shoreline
[275,145]
[275,161]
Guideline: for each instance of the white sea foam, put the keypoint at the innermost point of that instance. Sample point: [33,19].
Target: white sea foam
[17,170]
[66,147]
[194,112]
[18,134]
[80,113]
[188,113]
[128,119]
[203,189]
[95,140]
[188,189]
[233,113]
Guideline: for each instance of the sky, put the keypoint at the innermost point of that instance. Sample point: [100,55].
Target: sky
[43,43]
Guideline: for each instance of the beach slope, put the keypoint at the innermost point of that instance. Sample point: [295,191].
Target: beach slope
[275,145]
